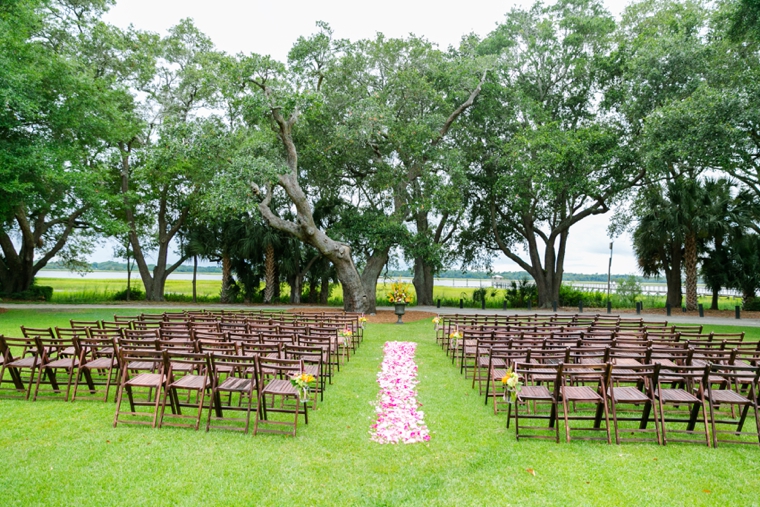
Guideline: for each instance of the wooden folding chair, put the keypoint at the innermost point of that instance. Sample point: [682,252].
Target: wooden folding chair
[98,364]
[56,354]
[633,386]
[284,396]
[195,380]
[740,390]
[233,377]
[693,381]
[537,393]
[20,358]
[153,377]
[574,389]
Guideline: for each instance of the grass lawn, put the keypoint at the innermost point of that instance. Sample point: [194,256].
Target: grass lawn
[60,453]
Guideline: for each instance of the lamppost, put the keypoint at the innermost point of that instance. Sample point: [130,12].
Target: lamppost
[609,274]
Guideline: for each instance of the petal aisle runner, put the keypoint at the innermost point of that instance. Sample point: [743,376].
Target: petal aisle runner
[398,419]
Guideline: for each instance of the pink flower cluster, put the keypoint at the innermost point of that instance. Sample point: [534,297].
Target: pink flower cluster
[398,419]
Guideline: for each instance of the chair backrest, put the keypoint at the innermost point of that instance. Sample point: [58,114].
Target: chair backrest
[31,332]
[200,363]
[279,368]
[125,318]
[105,333]
[140,334]
[52,348]
[116,325]
[177,345]
[261,349]
[309,355]
[11,347]
[85,323]
[649,373]
[218,347]
[233,365]
[141,325]
[140,344]
[95,347]
[147,359]
[209,335]
[174,334]
[68,333]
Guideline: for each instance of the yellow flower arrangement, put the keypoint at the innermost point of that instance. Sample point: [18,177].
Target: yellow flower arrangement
[399,294]
[512,384]
[302,382]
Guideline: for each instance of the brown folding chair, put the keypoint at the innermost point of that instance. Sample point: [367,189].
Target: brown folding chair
[574,389]
[537,393]
[20,360]
[233,377]
[98,364]
[742,377]
[284,396]
[153,377]
[692,381]
[195,380]
[633,386]
[56,354]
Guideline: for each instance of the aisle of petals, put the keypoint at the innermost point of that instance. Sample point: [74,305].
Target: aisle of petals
[398,419]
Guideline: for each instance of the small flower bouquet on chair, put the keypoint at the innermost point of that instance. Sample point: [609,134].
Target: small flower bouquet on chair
[302,382]
[512,385]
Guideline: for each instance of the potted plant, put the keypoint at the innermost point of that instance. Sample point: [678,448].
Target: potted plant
[399,296]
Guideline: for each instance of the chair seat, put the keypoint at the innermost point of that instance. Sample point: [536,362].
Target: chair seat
[63,363]
[580,393]
[627,395]
[102,362]
[499,373]
[141,365]
[192,382]
[311,369]
[677,396]
[727,396]
[182,367]
[236,384]
[147,380]
[534,393]
[26,362]
[279,386]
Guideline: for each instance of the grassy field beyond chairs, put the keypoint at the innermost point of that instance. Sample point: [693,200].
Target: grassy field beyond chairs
[68,453]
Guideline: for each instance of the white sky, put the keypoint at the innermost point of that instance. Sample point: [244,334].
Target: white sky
[272,27]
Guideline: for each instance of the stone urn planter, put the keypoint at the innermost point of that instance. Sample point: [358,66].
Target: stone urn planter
[400,311]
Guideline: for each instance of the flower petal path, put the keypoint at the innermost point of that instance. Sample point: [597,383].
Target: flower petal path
[398,419]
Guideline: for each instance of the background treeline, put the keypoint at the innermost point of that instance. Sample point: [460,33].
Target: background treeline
[352,155]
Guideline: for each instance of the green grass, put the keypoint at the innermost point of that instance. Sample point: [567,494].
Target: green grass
[60,453]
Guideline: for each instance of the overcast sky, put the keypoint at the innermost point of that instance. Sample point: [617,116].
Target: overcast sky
[271,27]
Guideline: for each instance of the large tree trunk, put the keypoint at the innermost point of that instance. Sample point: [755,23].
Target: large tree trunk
[370,275]
[715,296]
[195,276]
[304,228]
[18,269]
[673,277]
[423,282]
[155,283]
[324,291]
[690,267]
[224,296]
[270,273]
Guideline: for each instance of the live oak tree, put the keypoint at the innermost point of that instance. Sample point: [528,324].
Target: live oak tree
[544,153]
[63,102]
[164,167]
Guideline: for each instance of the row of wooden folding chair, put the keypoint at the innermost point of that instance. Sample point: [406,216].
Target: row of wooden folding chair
[641,389]
[237,378]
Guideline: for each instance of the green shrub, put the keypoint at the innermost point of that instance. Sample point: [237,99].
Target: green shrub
[751,305]
[135,294]
[33,293]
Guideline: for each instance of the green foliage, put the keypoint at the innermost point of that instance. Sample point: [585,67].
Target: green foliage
[33,293]
[629,290]
[135,294]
